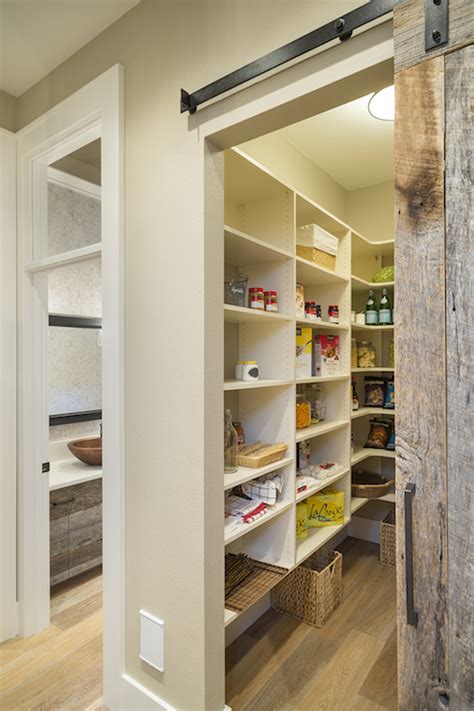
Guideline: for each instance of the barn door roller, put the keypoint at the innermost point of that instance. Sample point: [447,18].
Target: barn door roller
[436,34]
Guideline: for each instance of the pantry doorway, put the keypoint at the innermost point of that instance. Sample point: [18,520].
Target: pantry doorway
[421,509]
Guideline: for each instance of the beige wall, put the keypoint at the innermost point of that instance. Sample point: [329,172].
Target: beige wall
[370,211]
[173,514]
[7,111]
[298,171]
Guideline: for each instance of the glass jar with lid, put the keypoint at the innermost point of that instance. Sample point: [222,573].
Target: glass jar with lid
[317,399]
[365,355]
[303,412]
[353,353]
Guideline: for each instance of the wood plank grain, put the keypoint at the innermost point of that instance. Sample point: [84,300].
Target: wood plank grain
[380,685]
[409,31]
[421,376]
[460,379]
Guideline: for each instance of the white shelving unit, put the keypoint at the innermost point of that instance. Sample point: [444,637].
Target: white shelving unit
[261,218]
[367,258]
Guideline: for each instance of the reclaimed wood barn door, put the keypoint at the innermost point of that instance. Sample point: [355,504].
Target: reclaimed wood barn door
[434,351]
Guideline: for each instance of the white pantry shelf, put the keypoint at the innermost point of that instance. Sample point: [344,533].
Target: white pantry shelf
[229,616]
[365,249]
[359,284]
[322,379]
[311,274]
[322,325]
[317,537]
[242,314]
[361,327]
[247,474]
[320,485]
[363,453]
[371,411]
[382,369]
[243,249]
[254,384]
[245,528]
[319,429]
[357,502]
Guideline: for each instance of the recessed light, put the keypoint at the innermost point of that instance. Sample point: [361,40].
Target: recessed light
[382,104]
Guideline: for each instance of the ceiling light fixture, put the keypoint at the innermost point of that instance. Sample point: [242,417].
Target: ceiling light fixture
[382,104]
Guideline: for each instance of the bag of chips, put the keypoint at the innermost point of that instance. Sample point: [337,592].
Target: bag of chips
[379,434]
[389,403]
[391,441]
[374,392]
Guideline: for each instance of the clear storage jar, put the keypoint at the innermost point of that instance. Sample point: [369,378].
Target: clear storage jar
[354,360]
[303,412]
[365,355]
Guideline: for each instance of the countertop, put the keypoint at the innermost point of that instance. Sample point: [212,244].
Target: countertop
[71,471]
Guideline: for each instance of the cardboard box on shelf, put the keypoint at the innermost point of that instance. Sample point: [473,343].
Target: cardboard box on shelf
[326,355]
[304,352]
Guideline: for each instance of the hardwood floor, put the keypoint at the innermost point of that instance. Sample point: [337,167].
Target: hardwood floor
[60,668]
[278,663]
[347,665]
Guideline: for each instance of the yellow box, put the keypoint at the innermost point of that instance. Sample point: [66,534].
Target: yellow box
[304,352]
[326,508]
[301,520]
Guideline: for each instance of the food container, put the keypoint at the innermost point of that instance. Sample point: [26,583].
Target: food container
[303,412]
[235,288]
[353,316]
[271,301]
[326,355]
[353,353]
[317,400]
[257,298]
[304,351]
[238,427]
[333,313]
[250,370]
[365,355]
[310,310]
[360,319]
[299,301]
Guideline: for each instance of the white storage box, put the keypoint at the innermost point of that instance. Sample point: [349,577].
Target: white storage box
[315,236]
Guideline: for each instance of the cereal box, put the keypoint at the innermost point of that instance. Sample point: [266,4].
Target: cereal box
[304,350]
[326,355]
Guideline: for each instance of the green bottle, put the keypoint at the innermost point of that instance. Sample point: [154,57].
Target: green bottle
[385,309]
[371,311]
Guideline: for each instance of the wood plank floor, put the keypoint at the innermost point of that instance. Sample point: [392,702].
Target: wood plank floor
[348,665]
[278,663]
[60,668]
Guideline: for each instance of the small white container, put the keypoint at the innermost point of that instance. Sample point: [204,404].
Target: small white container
[238,370]
[250,370]
[353,316]
[360,319]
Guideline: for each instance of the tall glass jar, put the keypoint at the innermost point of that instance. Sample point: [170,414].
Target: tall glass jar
[317,399]
[230,444]
[303,412]
[365,355]
[353,353]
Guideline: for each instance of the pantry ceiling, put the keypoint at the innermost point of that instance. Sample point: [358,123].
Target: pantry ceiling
[354,148]
[36,37]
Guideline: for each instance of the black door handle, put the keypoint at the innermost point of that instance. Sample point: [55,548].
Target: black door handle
[412,615]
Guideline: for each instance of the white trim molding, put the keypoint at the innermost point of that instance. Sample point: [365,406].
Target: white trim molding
[72,182]
[94,111]
[8,370]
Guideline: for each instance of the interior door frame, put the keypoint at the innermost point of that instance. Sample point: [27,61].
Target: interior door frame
[93,111]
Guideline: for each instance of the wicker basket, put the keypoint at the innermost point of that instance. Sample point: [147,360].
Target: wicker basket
[268,454]
[312,254]
[370,486]
[312,591]
[388,541]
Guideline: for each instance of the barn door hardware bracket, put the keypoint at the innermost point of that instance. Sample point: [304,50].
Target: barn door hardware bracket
[436,23]
[341,28]
[45,467]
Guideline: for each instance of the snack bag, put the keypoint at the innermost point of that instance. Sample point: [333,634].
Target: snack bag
[374,392]
[390,396]
[326,508]
[379,433]
[301,520]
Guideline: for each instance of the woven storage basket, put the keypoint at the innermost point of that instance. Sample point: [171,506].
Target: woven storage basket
[388,541]
[312,591]
[312,254]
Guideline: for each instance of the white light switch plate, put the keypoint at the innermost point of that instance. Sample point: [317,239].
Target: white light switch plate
[152,640]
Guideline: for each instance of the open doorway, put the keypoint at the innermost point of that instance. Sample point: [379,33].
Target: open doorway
[308,255]
[75,373]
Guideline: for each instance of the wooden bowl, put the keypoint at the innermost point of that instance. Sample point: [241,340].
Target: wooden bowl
[87,450]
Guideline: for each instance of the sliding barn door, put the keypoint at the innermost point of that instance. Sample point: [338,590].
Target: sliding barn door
[434,351]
